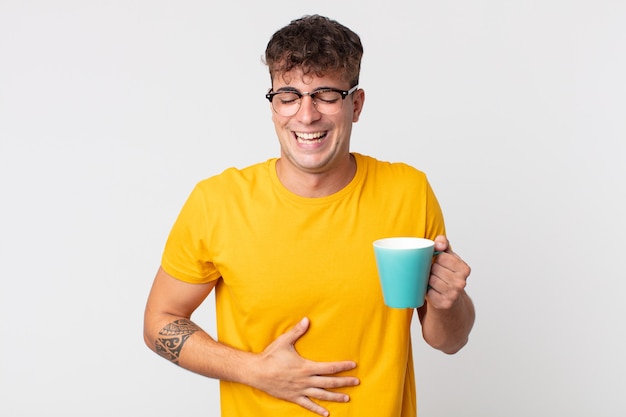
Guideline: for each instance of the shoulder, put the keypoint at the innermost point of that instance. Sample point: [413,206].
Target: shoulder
[236,178]
[379,168]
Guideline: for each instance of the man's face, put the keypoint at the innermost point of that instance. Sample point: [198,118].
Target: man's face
[310,141]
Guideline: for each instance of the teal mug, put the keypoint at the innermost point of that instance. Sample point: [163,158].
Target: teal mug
[404,269]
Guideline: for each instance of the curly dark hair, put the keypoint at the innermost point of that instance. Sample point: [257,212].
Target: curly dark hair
[317,45]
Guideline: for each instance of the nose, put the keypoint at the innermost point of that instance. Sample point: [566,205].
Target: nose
[307,112]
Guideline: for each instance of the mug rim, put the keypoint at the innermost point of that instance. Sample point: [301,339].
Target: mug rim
[403,242]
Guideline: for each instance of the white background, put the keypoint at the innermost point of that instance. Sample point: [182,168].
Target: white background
[111,111]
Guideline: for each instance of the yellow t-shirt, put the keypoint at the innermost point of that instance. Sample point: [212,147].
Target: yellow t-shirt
[280,257]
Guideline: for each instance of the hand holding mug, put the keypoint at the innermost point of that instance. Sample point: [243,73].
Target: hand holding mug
[448,276]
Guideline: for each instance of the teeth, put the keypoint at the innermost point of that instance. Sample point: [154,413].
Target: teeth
[317,136]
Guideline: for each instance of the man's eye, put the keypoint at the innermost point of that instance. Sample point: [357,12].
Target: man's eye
[288,98]
[328,96]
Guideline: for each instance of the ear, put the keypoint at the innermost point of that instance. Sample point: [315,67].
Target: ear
[358,98]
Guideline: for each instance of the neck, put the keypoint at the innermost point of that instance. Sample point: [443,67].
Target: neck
[316,184]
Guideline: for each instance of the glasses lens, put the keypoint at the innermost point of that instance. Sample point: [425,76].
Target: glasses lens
[286,103]
[327,101]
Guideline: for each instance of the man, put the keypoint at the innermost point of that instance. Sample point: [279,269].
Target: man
[287,246]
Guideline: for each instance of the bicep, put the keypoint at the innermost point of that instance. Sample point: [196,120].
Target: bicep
[171,296]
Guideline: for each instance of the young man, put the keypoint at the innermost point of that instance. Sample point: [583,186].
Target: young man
[287,246]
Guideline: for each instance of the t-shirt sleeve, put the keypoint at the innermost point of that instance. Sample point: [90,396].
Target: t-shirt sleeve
[187,255]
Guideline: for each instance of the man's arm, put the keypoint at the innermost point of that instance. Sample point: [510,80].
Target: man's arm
[448,315]
[278,370]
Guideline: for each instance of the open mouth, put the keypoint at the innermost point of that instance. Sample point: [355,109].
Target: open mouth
[315,137]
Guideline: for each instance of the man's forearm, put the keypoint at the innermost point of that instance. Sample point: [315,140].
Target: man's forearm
[172,337]
[448,330]
[185,344]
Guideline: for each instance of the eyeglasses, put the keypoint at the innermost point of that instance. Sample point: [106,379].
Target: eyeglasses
[327,101]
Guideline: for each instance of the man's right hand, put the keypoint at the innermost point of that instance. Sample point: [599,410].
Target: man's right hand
[284,374]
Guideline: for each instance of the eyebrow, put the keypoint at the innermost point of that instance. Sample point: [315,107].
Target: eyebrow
[286,89]
[295,90]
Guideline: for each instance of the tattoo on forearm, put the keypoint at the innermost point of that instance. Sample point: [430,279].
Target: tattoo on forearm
[173,337]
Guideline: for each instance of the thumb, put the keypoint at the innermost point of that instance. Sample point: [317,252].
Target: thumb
[297,331]
[442,244]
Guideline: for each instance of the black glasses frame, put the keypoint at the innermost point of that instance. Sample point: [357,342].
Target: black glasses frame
[344,93]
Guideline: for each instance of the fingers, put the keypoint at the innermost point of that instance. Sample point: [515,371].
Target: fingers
[330,368]
[324,395]
[306,403]
[445,281]
[333,382]
[318,393]
[448,266]
[448,277]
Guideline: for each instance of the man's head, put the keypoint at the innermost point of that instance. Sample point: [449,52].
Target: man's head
[317,46]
